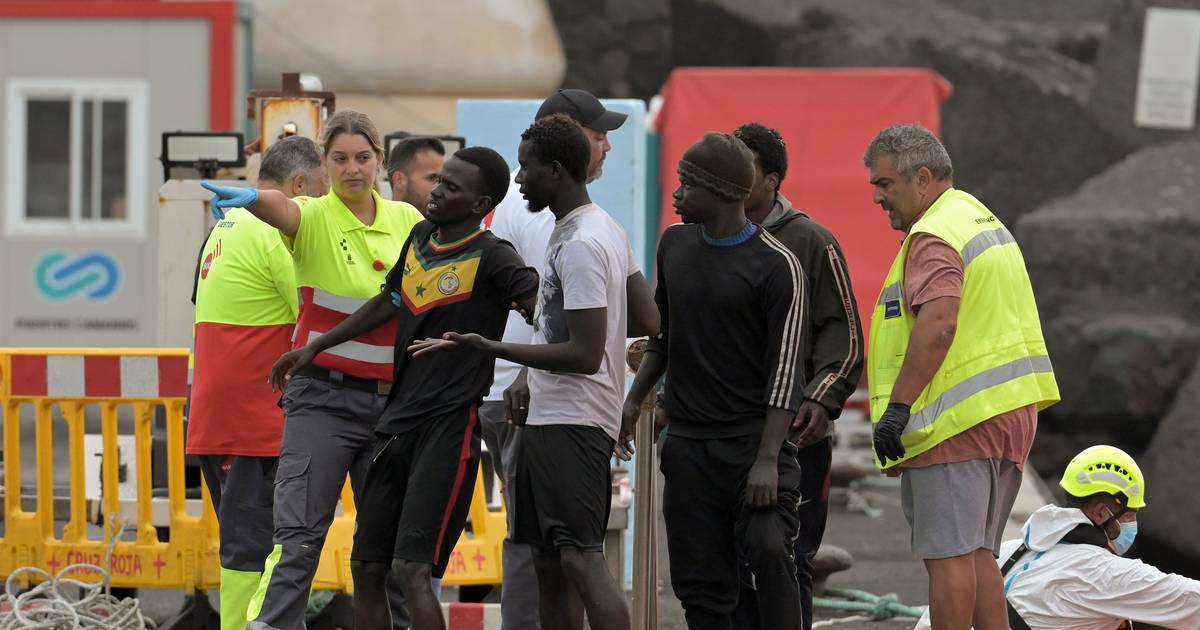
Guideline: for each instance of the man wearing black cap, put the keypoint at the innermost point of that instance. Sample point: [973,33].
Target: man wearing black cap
[529,232]
[590,113]
[734,318]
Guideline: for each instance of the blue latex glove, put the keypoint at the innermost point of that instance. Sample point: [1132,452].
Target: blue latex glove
[226,197]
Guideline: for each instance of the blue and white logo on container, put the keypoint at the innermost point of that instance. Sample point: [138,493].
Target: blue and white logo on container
[60,276]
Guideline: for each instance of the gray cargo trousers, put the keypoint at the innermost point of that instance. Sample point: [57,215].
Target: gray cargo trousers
[328,432]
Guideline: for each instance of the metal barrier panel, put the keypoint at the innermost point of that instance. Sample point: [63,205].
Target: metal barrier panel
[148,382]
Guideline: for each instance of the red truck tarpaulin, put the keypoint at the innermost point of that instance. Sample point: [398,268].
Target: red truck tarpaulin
[827,118]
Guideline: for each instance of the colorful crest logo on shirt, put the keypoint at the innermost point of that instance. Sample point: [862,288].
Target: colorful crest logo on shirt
[448,283]
[428,284]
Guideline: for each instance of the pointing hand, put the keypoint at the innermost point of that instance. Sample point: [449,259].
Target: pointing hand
[226,197]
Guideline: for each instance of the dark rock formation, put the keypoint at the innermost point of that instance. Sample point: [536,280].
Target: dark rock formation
[1125,242]
[1118,373]
[1114,269]
[615,48]
[1041,10]
[1172,511]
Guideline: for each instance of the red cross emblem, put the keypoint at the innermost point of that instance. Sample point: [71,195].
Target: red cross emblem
[159,564]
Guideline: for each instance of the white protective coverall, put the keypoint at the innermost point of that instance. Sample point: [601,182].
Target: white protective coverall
[1065,586]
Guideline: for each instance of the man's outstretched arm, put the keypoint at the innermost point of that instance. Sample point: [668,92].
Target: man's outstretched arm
[581,353]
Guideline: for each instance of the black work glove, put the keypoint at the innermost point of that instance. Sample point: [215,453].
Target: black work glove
[888,431]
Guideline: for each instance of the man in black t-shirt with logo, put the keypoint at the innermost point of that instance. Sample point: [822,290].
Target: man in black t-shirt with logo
[451,276]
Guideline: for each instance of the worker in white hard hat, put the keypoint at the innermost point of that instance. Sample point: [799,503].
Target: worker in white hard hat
[1068,570]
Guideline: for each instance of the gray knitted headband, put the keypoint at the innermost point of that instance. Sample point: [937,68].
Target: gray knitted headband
[691,174]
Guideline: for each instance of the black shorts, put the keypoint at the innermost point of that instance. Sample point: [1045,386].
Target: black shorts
[417,493]
[562,487]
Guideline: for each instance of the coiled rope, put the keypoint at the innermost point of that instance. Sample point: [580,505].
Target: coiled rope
[48,606]
[876,607]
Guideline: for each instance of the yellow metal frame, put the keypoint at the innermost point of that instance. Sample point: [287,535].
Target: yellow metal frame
[190,559]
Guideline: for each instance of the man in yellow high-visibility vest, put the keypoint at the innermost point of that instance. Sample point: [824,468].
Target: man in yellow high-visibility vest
[957,371]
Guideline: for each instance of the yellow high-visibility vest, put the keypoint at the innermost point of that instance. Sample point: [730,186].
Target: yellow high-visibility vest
[998,360]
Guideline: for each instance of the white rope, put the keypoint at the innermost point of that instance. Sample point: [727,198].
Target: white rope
[48,607]
[840,620]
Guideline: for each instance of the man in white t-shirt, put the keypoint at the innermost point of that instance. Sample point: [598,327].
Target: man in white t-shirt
[590,282]
[529,232]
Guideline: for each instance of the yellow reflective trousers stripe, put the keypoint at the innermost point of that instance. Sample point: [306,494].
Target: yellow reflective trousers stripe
[260,594]
[237,590]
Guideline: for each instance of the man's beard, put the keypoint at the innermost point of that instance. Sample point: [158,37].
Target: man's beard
[535,206]
[416,202]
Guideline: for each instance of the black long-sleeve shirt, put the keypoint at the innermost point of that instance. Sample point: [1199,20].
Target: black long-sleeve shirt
[734,323]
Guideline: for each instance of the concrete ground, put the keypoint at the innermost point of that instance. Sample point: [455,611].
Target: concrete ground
[883,562]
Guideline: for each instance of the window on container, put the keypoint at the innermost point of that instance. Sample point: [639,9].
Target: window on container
[76,157]
[103,159]
[76,147]
[48,158]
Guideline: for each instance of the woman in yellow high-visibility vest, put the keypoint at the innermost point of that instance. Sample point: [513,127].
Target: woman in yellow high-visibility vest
[343,245]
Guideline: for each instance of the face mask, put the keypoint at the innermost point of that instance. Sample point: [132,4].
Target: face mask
[1124,541]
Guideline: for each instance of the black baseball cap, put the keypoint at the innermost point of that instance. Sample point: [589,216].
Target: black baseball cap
[585,108]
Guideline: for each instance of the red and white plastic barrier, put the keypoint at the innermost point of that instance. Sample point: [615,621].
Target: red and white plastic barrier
[98,376]
[471,616]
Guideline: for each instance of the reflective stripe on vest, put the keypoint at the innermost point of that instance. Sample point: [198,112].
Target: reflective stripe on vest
[986,379]
[984,241]
[997,361]
[367,356]
[340,303]
[358,351]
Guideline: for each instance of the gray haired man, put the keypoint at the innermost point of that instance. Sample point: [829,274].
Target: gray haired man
[957,371]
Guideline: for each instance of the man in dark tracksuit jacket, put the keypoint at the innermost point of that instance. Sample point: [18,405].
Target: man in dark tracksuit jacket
[833,356]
